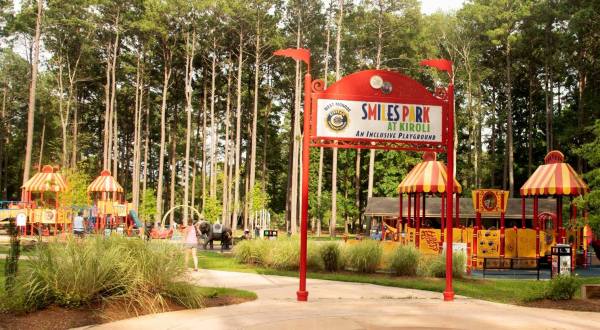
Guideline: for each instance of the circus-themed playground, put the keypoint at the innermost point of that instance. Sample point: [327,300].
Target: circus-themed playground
[494,230]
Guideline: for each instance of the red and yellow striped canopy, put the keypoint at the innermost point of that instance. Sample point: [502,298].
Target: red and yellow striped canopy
[555,177]
[46,180]
[105,183]
[428,176]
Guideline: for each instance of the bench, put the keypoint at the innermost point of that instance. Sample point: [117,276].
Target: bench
[512,264]
[590,291]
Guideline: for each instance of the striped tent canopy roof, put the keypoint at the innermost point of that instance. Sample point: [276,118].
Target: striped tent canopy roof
[105,183]
[48,179]
[429,176]
[555,177]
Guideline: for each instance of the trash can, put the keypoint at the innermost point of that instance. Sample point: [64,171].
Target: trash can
[561,259]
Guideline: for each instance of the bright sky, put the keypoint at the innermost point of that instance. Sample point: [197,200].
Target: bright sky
[431,6]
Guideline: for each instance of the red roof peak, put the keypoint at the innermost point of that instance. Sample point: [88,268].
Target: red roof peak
[47,169]
[429,156]
[105,173]
[554,157]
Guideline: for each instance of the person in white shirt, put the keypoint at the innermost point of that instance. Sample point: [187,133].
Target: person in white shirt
[78,225]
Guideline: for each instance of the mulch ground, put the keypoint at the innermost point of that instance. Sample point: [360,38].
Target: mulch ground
[582,305]
[55,317]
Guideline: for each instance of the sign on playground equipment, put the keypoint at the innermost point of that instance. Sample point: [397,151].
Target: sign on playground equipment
[346,119]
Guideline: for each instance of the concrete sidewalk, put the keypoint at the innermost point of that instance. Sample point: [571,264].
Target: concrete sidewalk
[340,305]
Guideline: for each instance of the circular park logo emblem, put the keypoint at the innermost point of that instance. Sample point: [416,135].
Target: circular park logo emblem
[337,119]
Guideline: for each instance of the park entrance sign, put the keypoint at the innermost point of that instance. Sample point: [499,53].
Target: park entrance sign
[376,109]
[346,119]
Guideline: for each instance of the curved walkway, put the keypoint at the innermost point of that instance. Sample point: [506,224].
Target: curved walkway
[347,306]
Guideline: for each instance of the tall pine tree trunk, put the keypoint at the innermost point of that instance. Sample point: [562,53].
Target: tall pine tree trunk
[509,126]
[189,70]
[32,92]
[257,62]
[161,155]
[213,125]
[238,127]
[335,150]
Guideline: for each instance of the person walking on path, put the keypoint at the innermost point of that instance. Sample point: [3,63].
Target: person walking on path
[190,244]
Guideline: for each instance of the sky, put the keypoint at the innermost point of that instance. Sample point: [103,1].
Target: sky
[431,6]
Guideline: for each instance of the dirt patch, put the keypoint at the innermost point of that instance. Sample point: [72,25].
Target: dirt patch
[55,317]
[582,305]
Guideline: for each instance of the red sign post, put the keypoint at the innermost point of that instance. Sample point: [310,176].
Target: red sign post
[376,109]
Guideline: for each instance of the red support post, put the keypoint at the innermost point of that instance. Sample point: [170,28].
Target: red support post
[523,225]
[475,228]
[559,219]
[502,226]
[302,294]
[449,291]
[408,218]
[442,218]
[536,219]
[418,219]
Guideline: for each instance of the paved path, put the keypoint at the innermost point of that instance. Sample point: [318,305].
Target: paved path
[339,305]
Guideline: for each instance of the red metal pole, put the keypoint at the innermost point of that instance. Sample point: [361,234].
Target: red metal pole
[302,294]
[449,291]
[408,218]
[418,219]
[442,208]
[523,212]
[400,211]
[502,234]
[475,228]
[559,209]
[537,226]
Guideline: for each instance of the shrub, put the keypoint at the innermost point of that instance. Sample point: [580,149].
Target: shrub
[313,256]
[562,287]
[331,256]
[81,272]
[364,257]
[253,252]
[284,254]
[436,266]
[404,260]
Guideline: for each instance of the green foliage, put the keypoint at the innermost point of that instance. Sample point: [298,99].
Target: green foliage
[76,192]
[147,209]
[260,198]
[562,287]
[331,256]
[76,273]
[212,209]
[591,153]
[404,260]
[364,257]
[436,266]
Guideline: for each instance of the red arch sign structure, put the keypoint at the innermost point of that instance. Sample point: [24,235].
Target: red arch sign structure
[376,109]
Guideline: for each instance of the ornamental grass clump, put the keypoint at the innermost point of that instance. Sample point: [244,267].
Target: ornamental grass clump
[562,287]
[331,256]
[404,260]
[284,254]
[84,272]
[436,266]
[252,252]
[364,257]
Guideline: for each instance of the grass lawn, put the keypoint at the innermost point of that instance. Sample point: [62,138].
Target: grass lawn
[498,290]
